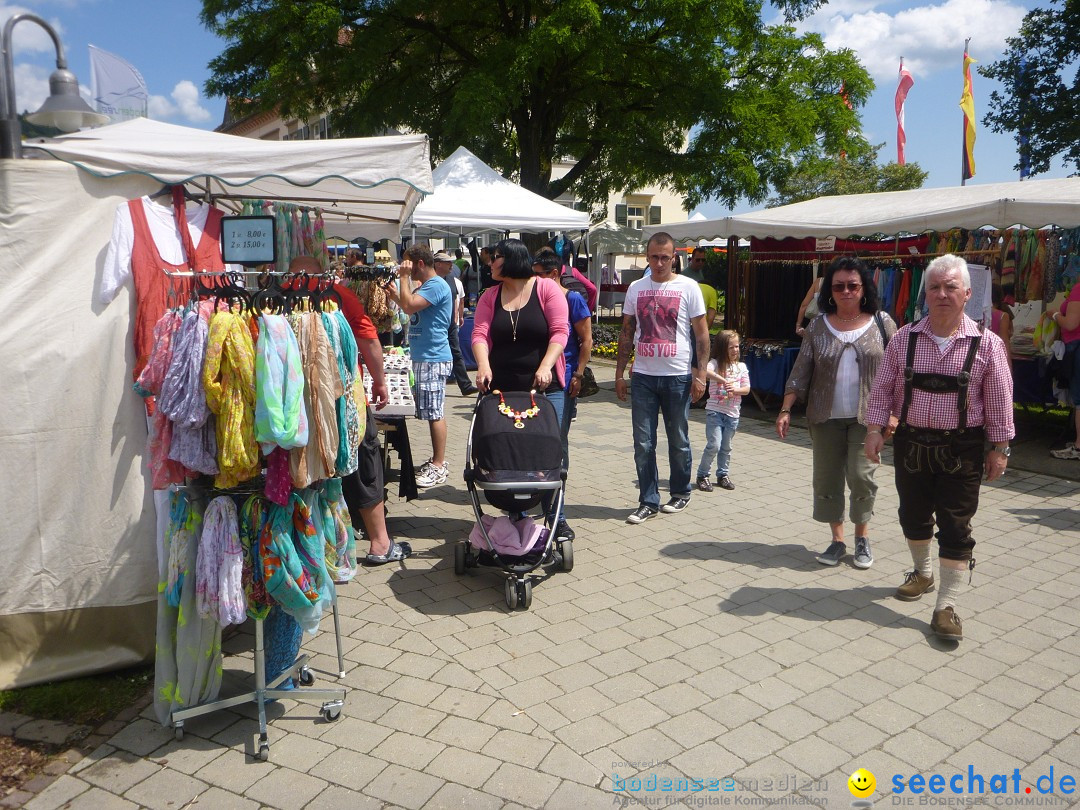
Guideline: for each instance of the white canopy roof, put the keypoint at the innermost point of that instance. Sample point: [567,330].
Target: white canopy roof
[1034,203]
[366,186]
[470,196]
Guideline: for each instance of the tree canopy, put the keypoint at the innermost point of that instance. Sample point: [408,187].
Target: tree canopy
[699,95]
[1040,102]
[858,173]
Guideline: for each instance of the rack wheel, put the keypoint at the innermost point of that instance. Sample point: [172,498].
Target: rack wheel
[566,548]
[511,593]
[264,751]
[331,711]
[524,589]
[459,559]
[178,731]
[306,676]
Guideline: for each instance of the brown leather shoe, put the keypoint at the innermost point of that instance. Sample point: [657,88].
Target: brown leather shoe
[915,585]
[705,485]
[946,625]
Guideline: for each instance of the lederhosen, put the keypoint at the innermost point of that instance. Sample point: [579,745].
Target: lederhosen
[938,472]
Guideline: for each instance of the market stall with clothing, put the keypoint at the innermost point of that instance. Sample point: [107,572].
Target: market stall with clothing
[1024,233]
[85,590]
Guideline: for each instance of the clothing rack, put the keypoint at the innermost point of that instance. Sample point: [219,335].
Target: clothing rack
[332,699]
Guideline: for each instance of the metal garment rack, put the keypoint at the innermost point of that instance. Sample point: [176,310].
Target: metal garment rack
[332,699]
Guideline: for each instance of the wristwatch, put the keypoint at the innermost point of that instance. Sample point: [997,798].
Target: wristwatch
[1005,451]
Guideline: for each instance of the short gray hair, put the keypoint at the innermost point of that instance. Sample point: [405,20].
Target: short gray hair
[943,264]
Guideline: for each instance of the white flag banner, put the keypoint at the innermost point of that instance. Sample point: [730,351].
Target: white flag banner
[119,90]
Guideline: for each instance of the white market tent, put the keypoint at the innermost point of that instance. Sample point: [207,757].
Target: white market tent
[80,536]
[471,197]
[365,186]
[1034,203]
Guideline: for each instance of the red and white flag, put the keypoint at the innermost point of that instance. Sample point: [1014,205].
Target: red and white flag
[901,95]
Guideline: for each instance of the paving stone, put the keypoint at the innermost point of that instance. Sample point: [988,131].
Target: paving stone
[513,746]
[409,750]
[166,789]
[464,767]
[457,796]
[285,789]
[119,771]
[403,787]
[59,793]
[517,784]
[142,737]
[98,799]
[9,721]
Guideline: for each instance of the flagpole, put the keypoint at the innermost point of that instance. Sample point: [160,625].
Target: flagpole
[963,126]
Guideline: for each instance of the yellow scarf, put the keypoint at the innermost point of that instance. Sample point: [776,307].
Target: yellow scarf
[229,381]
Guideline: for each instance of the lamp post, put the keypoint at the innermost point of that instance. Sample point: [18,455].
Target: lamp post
[63,109]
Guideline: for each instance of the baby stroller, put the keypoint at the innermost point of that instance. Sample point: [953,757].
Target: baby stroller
[514,454]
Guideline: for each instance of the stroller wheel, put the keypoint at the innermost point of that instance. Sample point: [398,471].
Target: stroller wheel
[459,559]
[524,589]
[566,549]
[510,592]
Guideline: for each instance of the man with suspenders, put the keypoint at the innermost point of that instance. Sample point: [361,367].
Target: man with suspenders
[950,386]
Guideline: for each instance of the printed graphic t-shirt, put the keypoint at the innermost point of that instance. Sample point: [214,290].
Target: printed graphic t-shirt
[428,342]
[663,341]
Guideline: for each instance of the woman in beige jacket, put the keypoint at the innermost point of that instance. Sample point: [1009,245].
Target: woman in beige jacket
[840,354]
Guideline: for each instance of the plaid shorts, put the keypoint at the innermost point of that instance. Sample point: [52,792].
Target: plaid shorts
[429,389]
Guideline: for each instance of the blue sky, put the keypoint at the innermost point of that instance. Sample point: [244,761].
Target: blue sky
[166,42]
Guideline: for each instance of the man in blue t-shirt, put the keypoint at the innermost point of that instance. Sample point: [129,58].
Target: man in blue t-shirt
[429,308]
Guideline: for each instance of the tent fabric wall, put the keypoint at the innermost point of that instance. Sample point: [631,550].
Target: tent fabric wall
[79,530]
[1034,203]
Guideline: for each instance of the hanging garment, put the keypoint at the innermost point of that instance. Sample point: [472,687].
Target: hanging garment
[293,561]
[187,656]
[183,400]
[252,520]
[229,382]
[323,386]
[280,413]
[343,345]
[219,593]
[152,286]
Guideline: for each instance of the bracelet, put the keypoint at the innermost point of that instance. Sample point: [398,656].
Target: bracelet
[783,411]
[873,430]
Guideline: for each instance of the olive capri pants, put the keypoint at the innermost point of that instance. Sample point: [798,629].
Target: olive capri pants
[839,457]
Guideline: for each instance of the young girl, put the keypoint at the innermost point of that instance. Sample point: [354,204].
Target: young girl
[730,383]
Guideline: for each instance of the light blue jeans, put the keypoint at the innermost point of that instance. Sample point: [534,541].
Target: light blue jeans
[649,397]
[719,431]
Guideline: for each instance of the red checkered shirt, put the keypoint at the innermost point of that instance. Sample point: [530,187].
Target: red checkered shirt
[990,393]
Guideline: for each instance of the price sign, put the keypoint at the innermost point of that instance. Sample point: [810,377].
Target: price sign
[248,240]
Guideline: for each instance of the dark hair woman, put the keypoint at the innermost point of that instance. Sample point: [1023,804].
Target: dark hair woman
[840,355]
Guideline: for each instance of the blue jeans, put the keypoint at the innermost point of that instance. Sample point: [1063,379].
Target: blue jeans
[649,397]
[719,431]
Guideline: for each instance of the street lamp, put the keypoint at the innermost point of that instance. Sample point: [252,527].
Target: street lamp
[63,109]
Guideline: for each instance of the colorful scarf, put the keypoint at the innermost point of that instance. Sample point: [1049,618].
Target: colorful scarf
[149,382]
[194,442]
[229,381]
[252,521]
[184,525]
[280,414]
[283,549]
[219,591]
[343,345]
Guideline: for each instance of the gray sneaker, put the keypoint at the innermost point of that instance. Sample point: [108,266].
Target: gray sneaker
[833,554]
[864,558]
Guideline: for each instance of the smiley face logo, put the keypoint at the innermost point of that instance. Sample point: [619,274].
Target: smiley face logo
[861,783]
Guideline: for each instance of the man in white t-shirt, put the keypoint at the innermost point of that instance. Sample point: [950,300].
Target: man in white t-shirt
[664,321]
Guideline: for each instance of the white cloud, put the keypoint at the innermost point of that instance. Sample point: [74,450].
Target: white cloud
[28,37]
[929,37]
[184,103]
[31,87]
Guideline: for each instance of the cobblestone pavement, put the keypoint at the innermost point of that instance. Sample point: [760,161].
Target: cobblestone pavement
[702,646]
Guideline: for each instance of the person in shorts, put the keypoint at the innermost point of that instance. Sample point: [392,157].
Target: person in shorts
[430,309]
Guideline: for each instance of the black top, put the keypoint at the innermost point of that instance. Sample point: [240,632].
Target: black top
[516,352]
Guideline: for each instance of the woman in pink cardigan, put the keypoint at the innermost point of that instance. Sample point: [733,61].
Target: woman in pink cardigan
[520,329]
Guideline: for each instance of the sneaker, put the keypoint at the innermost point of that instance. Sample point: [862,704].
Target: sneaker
[724,482]
[676,504]
[946,624]
[915,585]
[1069,451]
[704,485]
[641,514]
[833,554]
[864,558]
[563,530]
[432,476]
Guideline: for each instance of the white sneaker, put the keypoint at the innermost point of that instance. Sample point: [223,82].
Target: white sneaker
[1069,451]
[432,476]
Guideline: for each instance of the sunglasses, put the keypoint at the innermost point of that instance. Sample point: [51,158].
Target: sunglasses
[851,286]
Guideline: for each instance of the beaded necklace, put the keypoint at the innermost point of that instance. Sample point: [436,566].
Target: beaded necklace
[517,416]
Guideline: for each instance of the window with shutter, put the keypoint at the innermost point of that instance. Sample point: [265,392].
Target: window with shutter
[654,214]
[620,214]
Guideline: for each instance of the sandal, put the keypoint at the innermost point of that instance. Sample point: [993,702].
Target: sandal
[396,553]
